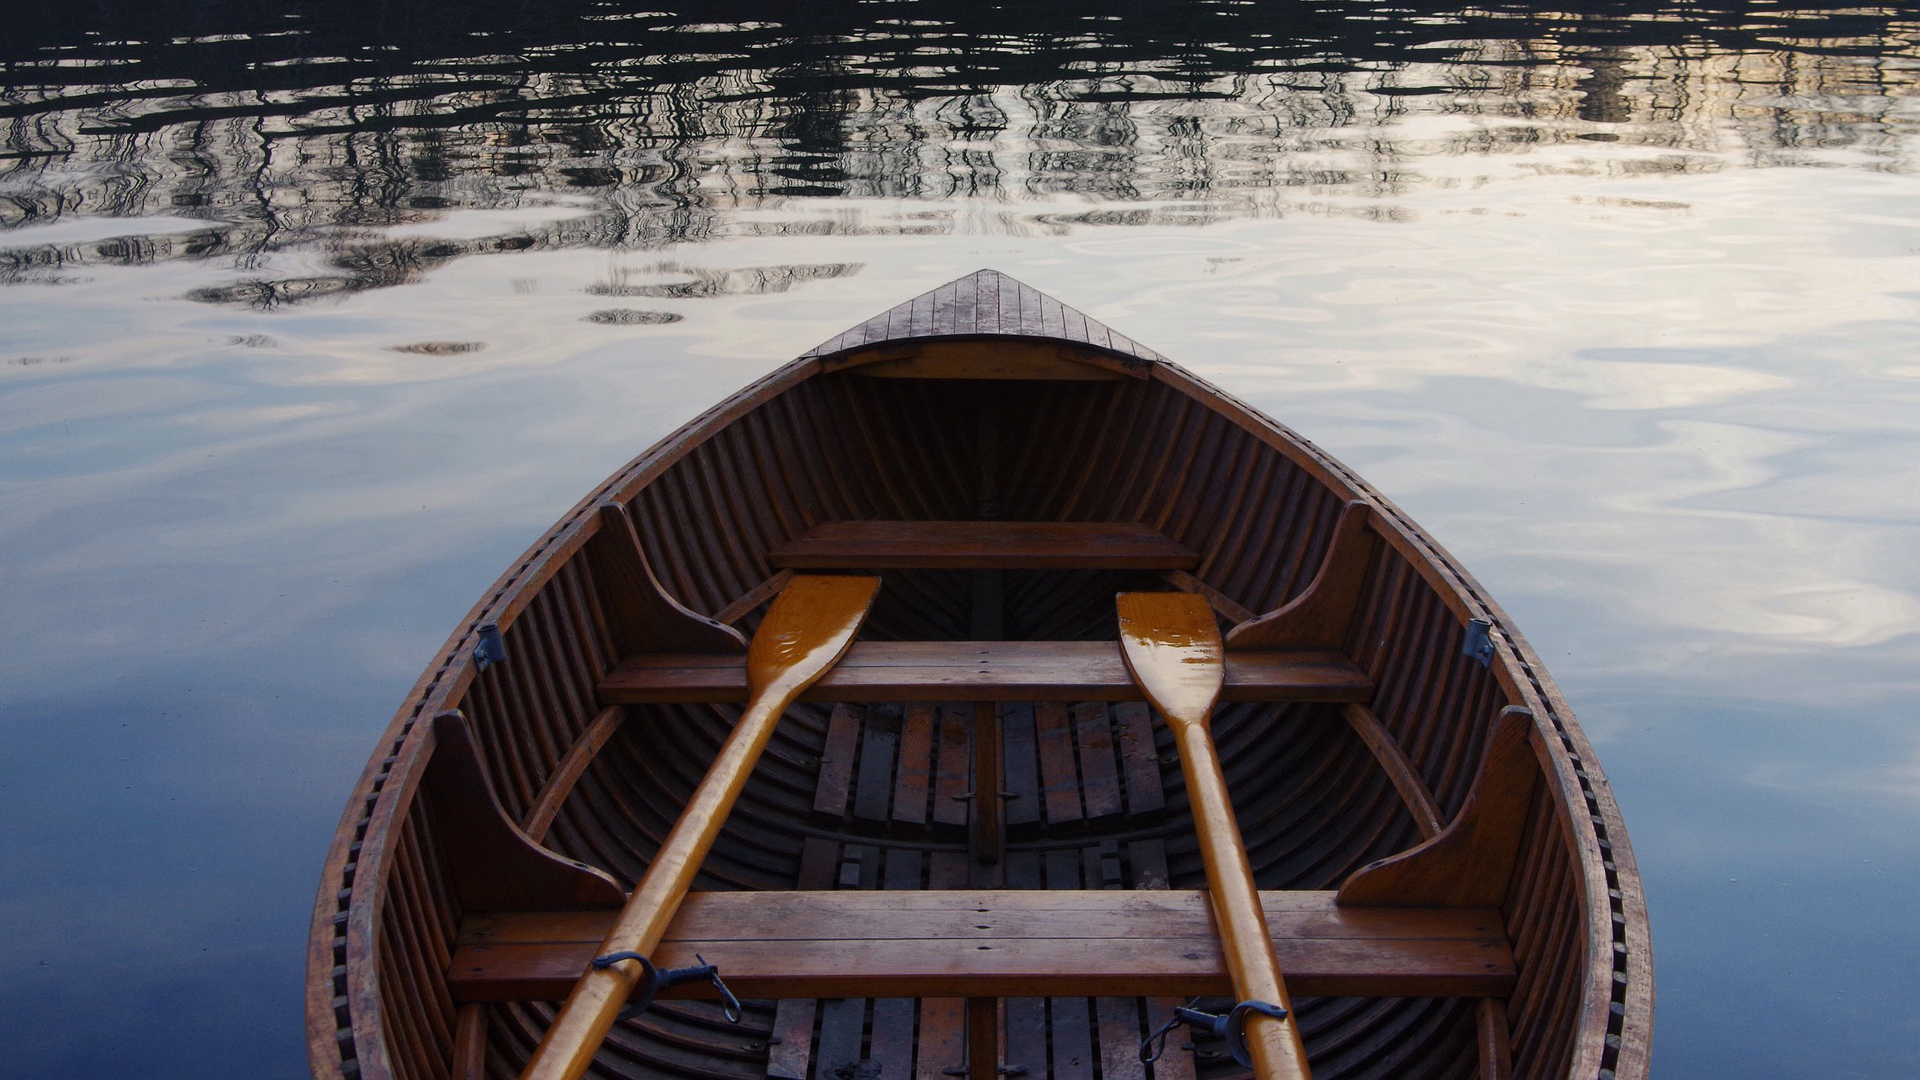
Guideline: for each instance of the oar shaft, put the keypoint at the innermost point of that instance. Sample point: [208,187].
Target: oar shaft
[1244,937]
[1172,646]
[596,1000]
[808,628]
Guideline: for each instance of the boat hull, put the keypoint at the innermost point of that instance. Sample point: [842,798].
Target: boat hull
[1015,415]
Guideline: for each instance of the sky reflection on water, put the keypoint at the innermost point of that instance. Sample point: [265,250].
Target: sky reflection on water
[297,352]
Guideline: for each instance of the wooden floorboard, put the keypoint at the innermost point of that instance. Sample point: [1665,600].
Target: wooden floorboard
[915,780]
[953,776]
[836,762]
[1020,772]
[1059,776]
[1149,859]
[1099,770]
[790,1044]
[841,1021]
[943,1020]
[1139,757]
[873,790]
[1024,1023]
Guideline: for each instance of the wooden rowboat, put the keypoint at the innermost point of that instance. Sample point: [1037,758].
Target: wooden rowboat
[962,843]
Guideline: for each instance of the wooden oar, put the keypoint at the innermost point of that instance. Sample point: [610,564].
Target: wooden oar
[1172,647]
[808,628]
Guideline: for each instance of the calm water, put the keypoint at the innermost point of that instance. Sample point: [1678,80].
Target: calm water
[313,315]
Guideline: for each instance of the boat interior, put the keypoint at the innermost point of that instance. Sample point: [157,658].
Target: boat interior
[972,837]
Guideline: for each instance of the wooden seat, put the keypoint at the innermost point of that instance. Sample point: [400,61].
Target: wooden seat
[982,671]
[999,943]
[983,545]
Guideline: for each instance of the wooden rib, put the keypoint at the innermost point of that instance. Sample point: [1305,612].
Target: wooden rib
[1222,603]
[1542,913]
[1292,785]
[1250,478]
[744,605]
[678,549]
[584,641]
[493,863]
[1470,863]
[1319,617]
[1204,485]
[486,710]
[1091,478]
[1267,582]
[788,475]
[1490,1030]
[567,773]
[640,614]
[470,1044]
[1406,780]
[743,477]
[413,973]
[1105,425]
[567,679]
[984,670]
[530,742]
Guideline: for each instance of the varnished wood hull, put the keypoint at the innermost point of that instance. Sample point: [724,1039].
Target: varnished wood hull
[983,400]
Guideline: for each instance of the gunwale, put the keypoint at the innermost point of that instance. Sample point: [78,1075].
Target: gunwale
[344,1008]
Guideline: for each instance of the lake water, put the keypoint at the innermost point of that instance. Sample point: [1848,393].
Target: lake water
[312,316]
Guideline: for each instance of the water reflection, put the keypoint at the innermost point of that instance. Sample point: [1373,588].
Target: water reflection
[1619,303]
[363,131]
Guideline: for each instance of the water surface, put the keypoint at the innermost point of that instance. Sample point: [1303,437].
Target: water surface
[312,316]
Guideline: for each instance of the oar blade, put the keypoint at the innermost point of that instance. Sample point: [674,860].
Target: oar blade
[1172,647]
[809,626]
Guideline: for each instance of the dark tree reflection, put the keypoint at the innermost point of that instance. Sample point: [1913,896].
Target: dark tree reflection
[298,124]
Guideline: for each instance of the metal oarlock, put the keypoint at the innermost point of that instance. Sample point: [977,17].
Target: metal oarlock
[1231,1026]
[655,979]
